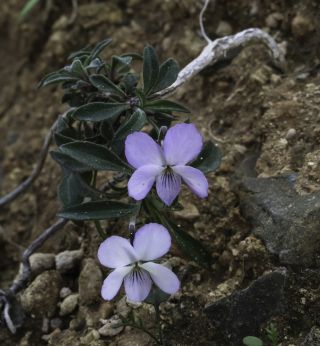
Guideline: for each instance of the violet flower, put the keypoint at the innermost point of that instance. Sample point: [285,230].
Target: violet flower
[132,263]
[166,165]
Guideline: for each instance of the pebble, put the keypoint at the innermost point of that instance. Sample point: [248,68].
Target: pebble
[67,260]
[273,20]
[42,296]
[291,133]
[189,211]
[56,323]
[301,26]
[69,304]
[224,29]
[111,327]
[39,262]
[90,282]
[65,292]
[122,308]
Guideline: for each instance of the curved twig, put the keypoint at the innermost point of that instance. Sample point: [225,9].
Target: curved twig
[223,48]
[202,29]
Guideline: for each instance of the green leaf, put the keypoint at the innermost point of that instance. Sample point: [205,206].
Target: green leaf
[28,7]
[61,139]
[98,210]
[68,162]
[99,48]
[68,190]
[165,106]
[209,159]
[168,74]
[104,84]
[150,69]
[252,341]
[76,68]
[135,123]
[99,111]
[95,156]
[60,76]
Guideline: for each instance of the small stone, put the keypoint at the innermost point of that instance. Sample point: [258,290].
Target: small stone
[106,310]
[69,304]
[90,337]
[302,25]
[224,29]
[90,282]
[77,324]
[112,326]
[122,308]
[189,211]
[68,260]
[56,323]
[45,325]
[273,20]
[313,338]
[39,262]
[42,296]
[65,292]
[291,133]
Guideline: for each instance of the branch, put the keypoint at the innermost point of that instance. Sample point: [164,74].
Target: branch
[11,196]
[222,49]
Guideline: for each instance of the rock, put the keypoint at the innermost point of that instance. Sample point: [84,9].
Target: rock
[189,211]
[69,304]
[302,25]
[243,312]
[134,338]
[68,260]
[90,337]
[313,338]
[56,323]
[90,282]
[223,29]
[65,292]
[42,296]
[112,326]
[122,308]
[106,310]
[273,20]
[287,222]
[39,262]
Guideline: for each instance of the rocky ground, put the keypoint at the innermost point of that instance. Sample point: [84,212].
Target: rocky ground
[261,221]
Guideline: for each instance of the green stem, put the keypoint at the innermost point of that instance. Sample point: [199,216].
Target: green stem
[103,234]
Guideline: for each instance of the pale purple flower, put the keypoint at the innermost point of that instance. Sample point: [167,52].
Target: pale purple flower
[133,263]
[165,165]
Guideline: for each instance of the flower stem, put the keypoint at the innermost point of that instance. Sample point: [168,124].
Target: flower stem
[102,233]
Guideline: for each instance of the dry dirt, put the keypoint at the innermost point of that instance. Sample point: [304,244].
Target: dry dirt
[246,106]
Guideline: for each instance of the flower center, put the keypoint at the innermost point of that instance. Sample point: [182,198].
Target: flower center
[168,177]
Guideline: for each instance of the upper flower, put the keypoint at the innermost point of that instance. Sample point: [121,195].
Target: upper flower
[165,164]
[131,263]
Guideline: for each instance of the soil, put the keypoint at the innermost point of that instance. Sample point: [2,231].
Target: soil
[245,106]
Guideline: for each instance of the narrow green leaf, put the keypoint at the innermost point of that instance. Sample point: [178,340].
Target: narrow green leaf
[104,84]
[99,111]
[28,7]
[209,158]
[165,106]
[168,74]
[95,156]
[68,162]
[252,341]
[135,123]
[57,77]
[150,69]
[98,210]
[99,48]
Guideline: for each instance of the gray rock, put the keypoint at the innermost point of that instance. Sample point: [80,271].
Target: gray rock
[69,304]
[112,326]
[287,222]
[243,312]
[42,296]
[313,338]
[39,262]
[90,282]
[56,323]
[68,260]
[65,292]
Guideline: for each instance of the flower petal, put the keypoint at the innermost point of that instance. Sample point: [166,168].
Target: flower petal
[163,277]
[168,186]
[182,143]
[141,150]
[194,178]
[142,180]
[116,252]
[151,241]
[113,282]
[137,285]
